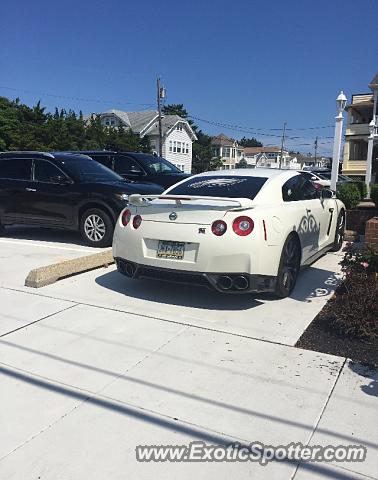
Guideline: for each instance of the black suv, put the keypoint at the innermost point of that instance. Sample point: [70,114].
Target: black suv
[64,190]
[140,167]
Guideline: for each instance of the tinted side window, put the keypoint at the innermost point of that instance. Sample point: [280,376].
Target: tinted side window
[290,189]
[126,165]
[16,168]
[307,191]
[44,171]
[104,159]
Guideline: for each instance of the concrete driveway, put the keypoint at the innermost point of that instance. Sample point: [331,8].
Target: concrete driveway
[95,365]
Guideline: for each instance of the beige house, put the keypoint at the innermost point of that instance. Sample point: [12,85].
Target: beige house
[228,150]
[359,115]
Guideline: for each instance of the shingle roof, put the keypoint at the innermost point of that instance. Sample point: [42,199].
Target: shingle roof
[122,115]
[255,150]
[140,120]
[167,122]
[148,120]
[222,140]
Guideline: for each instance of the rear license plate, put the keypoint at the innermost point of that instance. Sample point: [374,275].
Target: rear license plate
[168,249]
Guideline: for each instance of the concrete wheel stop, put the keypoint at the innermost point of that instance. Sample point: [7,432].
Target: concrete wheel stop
[42,276]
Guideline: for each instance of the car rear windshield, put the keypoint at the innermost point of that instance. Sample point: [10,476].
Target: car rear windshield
[221,186]
[157,164]
[84,169]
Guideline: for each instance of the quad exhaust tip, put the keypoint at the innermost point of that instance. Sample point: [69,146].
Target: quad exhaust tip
[126,268]
[226,282]
[241,282]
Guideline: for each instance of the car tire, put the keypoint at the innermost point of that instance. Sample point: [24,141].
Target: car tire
[288,269]
[339,233]
[96,228]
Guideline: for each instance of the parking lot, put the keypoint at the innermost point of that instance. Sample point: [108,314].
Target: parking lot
[96,364]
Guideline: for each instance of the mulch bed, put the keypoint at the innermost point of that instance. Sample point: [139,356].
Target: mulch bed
[323,335]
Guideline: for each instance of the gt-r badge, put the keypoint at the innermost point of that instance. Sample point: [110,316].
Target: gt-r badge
[202,230]
[173,216]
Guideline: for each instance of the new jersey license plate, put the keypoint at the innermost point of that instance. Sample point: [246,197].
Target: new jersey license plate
[168,249]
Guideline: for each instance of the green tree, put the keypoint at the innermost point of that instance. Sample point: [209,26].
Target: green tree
[180,110]
[242,164]
[250,142]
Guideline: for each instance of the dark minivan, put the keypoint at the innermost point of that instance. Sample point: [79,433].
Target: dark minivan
[64,190]
[140,167]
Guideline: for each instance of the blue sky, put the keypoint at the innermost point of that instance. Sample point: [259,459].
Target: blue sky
[251,63]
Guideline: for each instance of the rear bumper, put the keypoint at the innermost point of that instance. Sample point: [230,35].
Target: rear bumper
[222,282]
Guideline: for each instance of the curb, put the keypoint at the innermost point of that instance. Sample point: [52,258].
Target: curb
[42,276]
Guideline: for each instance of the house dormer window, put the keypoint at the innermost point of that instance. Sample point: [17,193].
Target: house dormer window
[179,127]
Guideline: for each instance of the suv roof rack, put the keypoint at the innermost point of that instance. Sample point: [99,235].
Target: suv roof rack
[28,153]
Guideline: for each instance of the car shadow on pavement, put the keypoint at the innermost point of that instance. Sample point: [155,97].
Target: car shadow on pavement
[41,234]
[174,294]
[367,372]
[313,283]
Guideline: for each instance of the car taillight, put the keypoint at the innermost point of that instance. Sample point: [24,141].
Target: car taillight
[125,219]
[243,226]
[137,220]
[219,227]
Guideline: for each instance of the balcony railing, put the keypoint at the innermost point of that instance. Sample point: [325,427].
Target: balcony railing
[357,129]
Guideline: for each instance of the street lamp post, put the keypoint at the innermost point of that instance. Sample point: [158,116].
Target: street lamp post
[340,106]
[369,157]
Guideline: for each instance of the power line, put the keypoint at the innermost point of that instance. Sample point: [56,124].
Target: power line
[80,99]
[231,126]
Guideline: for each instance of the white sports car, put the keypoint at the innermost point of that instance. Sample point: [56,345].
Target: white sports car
[235,231]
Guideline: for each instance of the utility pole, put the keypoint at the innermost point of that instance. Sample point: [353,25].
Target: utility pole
[282,144]
[160,96]
[316,149]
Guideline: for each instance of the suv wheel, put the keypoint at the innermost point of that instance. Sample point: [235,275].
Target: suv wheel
[96,228]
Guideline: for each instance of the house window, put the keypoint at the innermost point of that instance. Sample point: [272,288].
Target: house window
[187,148]
[174,146]
[170,146]
[112,122]
[179,127]
[178,147]
[226,152]
[181,166]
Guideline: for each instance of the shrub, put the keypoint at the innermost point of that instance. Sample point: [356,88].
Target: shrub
[355,308]
[359,260]
[361,188]
[374,194]
[349,194]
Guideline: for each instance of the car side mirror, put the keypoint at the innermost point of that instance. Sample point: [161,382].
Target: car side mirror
[327,193]
[60,179]
[135,171]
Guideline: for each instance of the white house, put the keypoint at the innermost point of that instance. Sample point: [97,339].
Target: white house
[178,136]
[268,157]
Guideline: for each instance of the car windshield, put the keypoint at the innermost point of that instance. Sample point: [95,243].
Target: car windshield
[324,175]
[221,186]
[157,164]
[84,169]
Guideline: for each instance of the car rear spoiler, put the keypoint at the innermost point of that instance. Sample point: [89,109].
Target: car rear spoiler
[235,203]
